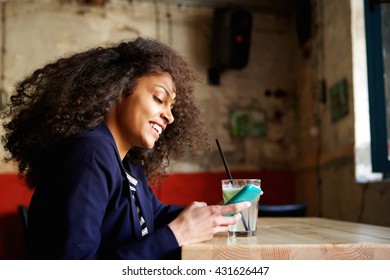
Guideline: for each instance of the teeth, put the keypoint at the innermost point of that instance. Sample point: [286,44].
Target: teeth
[156,127]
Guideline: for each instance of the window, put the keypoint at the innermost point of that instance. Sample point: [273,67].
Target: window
[371,72]
[377,19]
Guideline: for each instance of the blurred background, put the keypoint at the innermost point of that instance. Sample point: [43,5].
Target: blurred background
[285,88]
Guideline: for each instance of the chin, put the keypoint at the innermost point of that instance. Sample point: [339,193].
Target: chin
[149,144]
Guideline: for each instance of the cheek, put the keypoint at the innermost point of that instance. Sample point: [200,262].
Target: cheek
[126,119]
[137,121]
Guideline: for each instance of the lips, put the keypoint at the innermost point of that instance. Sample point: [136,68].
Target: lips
[157,128]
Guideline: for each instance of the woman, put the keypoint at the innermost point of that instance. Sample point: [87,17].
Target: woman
[87,132]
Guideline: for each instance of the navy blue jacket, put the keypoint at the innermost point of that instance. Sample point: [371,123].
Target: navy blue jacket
[82,207]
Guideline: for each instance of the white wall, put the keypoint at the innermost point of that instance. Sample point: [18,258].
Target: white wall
[37,32]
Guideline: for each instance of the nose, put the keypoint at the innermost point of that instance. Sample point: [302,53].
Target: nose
[168,117]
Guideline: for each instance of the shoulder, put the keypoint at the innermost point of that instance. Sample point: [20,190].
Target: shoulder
[96,143]
[98,138]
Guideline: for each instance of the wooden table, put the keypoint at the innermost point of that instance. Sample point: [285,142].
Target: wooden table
[298,239]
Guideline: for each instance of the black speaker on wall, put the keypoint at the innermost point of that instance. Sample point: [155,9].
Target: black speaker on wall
[230,43]
[303,20]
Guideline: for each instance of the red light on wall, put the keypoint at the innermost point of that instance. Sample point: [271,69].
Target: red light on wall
[239,39]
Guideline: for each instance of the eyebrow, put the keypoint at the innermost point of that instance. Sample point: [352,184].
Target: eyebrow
[166,91]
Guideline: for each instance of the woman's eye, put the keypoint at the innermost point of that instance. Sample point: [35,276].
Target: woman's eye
[158,99]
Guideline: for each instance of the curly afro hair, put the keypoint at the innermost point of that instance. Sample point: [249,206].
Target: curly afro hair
[75,93]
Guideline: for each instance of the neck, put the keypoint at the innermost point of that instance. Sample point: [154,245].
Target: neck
[122,147]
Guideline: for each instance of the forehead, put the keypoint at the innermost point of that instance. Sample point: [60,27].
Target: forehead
[161,80]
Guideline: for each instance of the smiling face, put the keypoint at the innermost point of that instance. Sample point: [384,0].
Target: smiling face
[139,119]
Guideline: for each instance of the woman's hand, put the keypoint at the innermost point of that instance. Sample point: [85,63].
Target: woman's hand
[199,222]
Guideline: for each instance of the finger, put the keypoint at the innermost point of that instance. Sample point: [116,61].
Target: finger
[200,203]
[237,207]
[221,229]
[224,220]
[197,204]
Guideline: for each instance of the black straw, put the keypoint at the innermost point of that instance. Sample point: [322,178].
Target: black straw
[230,177]
[224,161]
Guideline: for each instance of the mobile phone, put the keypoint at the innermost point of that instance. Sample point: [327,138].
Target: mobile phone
[248,193]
